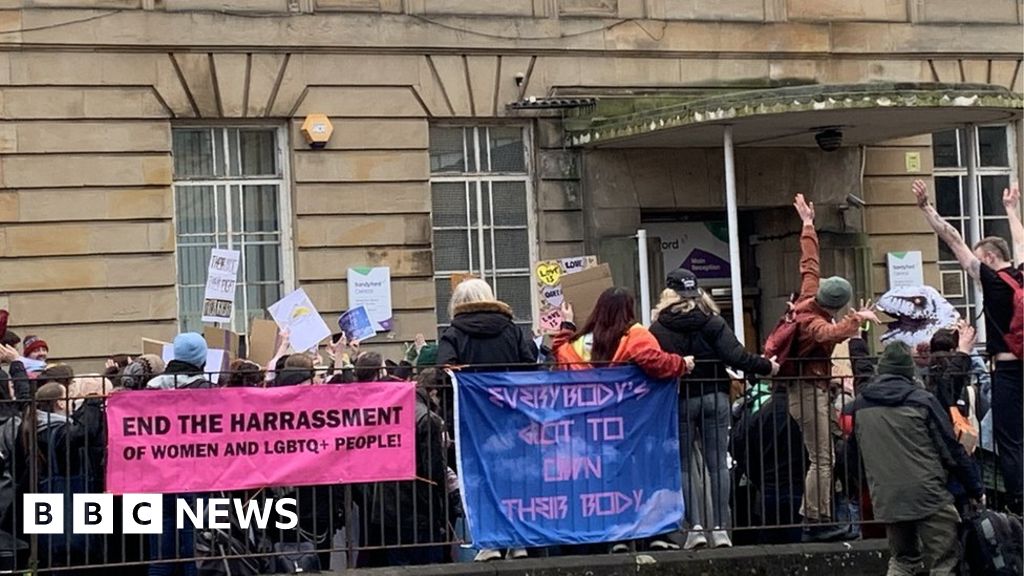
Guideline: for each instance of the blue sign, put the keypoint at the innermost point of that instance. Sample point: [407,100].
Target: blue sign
[569,457]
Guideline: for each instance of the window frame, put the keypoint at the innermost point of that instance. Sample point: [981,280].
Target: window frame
[478,234]
[285,216]
[960,173]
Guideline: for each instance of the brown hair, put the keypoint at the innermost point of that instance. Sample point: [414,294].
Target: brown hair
[996,246]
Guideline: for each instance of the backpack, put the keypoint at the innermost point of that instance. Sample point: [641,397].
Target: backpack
[781,339]
[991,545]
[965,420]
[1014,337]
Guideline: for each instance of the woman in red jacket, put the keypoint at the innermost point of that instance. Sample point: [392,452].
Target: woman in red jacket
[613,336]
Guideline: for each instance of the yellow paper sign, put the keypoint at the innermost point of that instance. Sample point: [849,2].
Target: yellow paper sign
[913,160]
[549,273]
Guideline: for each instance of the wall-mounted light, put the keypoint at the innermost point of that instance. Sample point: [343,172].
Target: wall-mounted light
[317,129]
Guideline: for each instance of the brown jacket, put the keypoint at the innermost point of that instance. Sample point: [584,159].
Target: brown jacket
[817,333]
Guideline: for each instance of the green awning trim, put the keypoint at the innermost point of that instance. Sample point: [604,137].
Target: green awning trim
[599,127]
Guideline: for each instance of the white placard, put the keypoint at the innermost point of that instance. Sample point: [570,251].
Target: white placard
[219,298]
[905,269]
[296,315]
[371,287]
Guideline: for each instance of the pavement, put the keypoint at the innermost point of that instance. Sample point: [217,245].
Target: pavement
[838,559]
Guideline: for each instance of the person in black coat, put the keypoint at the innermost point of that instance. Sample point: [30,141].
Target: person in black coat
[688,324]
[482,332]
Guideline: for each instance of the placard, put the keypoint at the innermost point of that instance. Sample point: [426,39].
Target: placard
[296,315]
[583,289]
[356,324]
[261,345]
[219,298]
[548,275]
[371,288]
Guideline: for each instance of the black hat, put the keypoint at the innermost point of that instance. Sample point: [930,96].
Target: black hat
[684,282]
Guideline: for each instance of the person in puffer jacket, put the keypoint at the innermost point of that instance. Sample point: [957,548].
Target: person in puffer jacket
[688,323]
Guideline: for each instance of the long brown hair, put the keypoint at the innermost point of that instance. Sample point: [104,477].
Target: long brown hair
[613,314]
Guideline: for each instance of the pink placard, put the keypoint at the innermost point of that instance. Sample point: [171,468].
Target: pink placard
[173,441]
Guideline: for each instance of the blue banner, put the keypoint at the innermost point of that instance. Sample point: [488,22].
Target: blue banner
[568,457]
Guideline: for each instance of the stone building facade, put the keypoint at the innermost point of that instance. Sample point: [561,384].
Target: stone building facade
[135,134]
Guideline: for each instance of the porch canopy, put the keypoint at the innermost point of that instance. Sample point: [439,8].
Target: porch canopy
[792,117]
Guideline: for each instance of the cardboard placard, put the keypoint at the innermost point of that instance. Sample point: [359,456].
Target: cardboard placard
[262,341]
[582,290]
[223,339]
[154,347]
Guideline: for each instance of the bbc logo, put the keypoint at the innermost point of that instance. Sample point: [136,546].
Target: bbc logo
[93,514]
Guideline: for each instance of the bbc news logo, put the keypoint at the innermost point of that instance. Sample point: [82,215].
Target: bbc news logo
[144,513]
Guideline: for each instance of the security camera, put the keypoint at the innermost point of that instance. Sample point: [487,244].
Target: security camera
[855,200]
[520,78]
[829,139]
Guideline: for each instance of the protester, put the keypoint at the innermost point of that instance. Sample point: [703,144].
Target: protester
[992,264]
[244,374]
[482,331]
[612,336]
[15,384]
[950,366]
[818,332]
[369,367]
[411,518]
[688,323]
[35,348]
[186,369]
[908,447]
[140,371]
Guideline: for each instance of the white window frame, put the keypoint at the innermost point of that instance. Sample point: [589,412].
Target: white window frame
[960,172]
[285,215]
[474,180]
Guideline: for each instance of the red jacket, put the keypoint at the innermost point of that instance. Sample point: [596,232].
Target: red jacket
[637,345]
[817,333]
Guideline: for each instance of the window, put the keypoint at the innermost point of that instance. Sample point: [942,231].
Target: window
[481,206]
[229,192]
[996,158]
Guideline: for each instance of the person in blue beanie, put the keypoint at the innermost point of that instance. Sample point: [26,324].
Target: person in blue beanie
[186,369]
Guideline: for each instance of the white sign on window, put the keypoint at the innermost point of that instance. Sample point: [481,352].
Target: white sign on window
[219,299]
[905,269]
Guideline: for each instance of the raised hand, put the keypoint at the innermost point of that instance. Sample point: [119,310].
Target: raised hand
[867,313]
[804,208]
[568,315]
[920,193]
[1011,198]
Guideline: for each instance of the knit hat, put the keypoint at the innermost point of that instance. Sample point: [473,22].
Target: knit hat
[34,344]
[190,348]
[154,364]
[427,356]
[683,282]
[896,359]
[834,293]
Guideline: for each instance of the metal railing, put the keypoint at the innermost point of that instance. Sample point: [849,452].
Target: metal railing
[750,449]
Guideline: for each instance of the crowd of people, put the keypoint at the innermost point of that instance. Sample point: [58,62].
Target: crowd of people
[816,436]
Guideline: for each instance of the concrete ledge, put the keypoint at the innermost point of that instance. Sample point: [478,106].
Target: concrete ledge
[839,559]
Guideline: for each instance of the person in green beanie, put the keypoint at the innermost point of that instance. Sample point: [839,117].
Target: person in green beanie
[807,372]
[906,440]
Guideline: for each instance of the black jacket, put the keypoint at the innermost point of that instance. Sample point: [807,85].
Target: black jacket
[23,390]
[768,448]
[415,512]
[712,344]
[907,443]
[483,333]
[948,374]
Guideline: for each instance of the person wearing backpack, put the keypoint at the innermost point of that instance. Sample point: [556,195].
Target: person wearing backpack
[905,439]
[1002,283]
[806,357]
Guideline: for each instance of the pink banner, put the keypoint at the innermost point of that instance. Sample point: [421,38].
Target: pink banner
[173,441]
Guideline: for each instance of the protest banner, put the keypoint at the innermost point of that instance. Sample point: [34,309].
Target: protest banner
[177,441]
[548,275]
[371,287]
[356,324]
[219,298]
[573,457]
[296,315]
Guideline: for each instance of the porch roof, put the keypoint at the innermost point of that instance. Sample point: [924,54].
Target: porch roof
[790,117]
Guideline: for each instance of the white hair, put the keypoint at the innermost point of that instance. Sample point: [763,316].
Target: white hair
[471,290]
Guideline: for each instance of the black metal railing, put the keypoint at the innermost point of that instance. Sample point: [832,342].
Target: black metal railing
[761,460]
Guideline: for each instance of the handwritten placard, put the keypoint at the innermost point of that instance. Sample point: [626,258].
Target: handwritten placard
[221,277]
